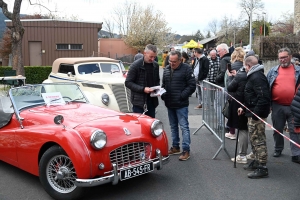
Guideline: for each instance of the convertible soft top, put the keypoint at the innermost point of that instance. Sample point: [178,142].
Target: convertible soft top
[78,60]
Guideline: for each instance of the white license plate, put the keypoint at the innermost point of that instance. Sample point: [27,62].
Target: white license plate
[136,171]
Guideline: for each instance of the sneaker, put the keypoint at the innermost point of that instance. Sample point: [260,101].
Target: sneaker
[198,107]
[184,156]
[240,159]
[174,150]
[260,172]
[230,136]
[250,156]
[251,166]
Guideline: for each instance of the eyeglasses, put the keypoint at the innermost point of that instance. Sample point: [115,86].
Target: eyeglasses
[283,57]
[170,61]
[219,50]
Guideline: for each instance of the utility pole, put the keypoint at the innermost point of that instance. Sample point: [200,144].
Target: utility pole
[250,28]
[264,23]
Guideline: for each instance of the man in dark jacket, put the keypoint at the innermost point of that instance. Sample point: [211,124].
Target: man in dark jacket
[142,75]
[296,116]
[224,54]
[201,67]
[138,55]
[257,99]
[179,83]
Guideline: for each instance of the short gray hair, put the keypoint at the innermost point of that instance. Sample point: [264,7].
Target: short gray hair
[213,51]
[251,61]
[151,47]
[285,49]
[173,53]
[223,46]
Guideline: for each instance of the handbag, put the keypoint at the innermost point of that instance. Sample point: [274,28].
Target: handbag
[225,110]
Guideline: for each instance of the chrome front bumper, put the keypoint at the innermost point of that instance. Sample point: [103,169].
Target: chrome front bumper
[115,176]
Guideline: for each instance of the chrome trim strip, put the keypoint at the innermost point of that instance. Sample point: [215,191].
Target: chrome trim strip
[115,176]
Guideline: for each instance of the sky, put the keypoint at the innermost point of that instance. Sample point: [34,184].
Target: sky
[183,17]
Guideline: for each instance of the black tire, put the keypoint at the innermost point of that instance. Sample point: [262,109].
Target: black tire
[57,175]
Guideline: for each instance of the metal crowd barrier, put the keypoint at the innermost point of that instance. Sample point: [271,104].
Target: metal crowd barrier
[212,118]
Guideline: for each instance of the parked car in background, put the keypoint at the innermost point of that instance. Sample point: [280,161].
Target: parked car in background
[51,131]
[101,79]
[247,48]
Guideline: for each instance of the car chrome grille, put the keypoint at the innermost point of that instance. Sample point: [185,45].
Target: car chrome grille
[122,95]
[131,154]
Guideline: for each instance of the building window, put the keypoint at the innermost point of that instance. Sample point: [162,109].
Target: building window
[69,46]
[76,46]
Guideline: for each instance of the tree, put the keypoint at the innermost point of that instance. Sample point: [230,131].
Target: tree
[213,26]
[123,14]
[109,26]
[5,48]
[147,27]
[139,26]
[208,35]
[250,7]
[285,25]
[198,35]
[17,32]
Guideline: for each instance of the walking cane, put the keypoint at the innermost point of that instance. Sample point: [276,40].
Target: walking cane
[236,144]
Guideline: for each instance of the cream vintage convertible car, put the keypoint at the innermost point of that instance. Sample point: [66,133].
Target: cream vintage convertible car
[101,79]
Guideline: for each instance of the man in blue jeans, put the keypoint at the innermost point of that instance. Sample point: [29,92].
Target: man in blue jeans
[179,83]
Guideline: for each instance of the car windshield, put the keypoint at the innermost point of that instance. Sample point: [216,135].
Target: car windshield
[46,94]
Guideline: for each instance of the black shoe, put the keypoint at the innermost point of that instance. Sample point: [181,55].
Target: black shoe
[260,172]
[251,166]
[296,159]
[277,153]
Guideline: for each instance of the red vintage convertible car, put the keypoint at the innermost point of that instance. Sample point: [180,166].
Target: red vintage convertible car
[51,131]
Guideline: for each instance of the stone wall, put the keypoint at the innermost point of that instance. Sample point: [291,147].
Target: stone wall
[269,64]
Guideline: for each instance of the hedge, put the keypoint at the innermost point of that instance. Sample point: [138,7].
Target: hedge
[33,74]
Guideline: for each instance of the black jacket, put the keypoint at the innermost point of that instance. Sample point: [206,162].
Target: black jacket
[179,86]
[236,87]
[295,107]
[136,81]
[257,95]
[204,67]
[223,67]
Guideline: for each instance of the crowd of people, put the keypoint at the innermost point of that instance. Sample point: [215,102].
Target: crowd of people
[242,76]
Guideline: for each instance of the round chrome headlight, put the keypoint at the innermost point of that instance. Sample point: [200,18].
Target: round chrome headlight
[157,128]
[105,99]
[98,139]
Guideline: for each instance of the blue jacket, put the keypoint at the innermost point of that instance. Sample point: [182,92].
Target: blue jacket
[273,73]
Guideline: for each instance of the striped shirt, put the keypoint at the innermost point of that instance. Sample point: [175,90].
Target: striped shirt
[213,69]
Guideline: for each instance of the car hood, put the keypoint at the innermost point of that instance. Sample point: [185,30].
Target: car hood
[74,114]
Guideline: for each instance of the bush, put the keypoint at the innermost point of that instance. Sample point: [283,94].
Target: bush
[33,74]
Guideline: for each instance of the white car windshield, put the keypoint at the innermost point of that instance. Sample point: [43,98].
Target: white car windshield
[46,94]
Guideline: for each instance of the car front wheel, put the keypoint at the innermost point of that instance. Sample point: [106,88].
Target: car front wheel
[57,175]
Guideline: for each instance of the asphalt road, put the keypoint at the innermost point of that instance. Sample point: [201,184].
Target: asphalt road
[200,177]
